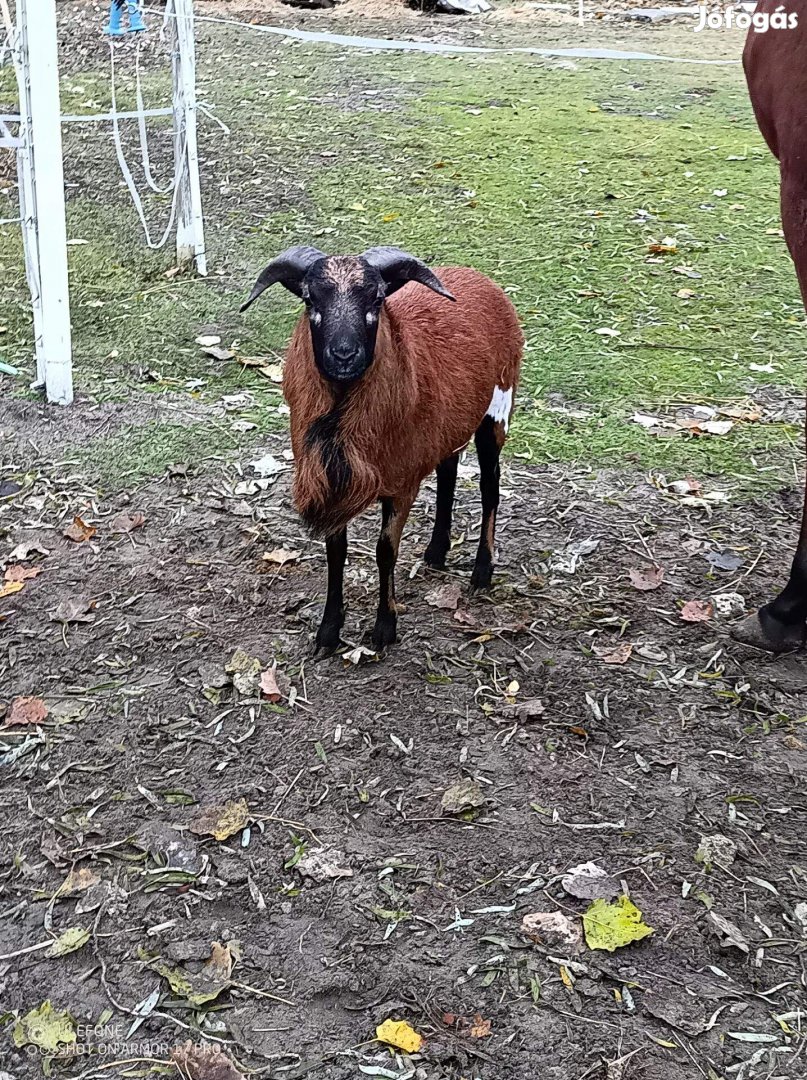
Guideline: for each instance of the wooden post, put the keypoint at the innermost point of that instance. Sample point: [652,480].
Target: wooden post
[190,225]
[42,196]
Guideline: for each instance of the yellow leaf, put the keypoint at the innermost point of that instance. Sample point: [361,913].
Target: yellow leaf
[222,822]
[10,587]
[70,941]
[399,1034]
[392,216]
[610,926]
[46,1028]
[566,977]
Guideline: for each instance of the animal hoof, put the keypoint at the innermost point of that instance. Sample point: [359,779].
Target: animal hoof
[328,640]
[384,634]
[482,577]
[763,631]
[435,557]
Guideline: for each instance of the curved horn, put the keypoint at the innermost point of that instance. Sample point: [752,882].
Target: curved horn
[397,267]
[288,269]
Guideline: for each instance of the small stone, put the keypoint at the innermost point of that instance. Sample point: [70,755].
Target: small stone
[716,850]
[554,929]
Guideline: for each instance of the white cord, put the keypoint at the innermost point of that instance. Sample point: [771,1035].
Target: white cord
[127,175]
[141,128]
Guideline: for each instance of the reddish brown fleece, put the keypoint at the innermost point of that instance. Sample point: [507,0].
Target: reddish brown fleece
[436,366]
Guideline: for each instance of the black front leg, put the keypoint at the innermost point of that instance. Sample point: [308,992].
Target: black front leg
[329,634]
[393,518]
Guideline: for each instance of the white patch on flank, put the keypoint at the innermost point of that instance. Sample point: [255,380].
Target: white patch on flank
[501,405]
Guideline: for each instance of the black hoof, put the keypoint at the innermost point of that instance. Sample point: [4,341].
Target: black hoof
[385,632]
[482,576]
[763,631]
[435,556]
[327,641]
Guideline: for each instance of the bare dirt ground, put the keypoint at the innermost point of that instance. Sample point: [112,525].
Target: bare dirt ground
[127,637]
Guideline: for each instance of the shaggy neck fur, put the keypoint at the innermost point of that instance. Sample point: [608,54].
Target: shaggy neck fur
[337,433]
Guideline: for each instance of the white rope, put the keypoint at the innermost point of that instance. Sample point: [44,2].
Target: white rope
[141,128]
[127,175]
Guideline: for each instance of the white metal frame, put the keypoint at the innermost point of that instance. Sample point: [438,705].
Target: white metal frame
[41,193]
[41,174]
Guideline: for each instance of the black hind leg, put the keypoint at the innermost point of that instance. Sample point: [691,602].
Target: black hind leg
[489,440]
[440,542]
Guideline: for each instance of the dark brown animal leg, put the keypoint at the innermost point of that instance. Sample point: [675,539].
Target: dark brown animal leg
[780,625]
[440,542]
[329,634]
[393,518]
[489,441]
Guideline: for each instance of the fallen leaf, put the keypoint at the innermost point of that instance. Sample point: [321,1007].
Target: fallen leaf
[208,340]
[323,864]
[268,465]
[466,794]
[589,882]
[399,1034]
[272,372]
[77,881]
[646,579]
[269,687]
[21,573]
[612,926]
[725,560]
[218,353]
[728,933]
[608,331]
[686,294]
[24,551]
[79,531]
[11,587]
[76,610]
[553,928]
[614,654]
[46,1028]
[126,523]
[69,941]
[480,1029]
[359,655]
[199,987]
[221,822]
[446,597]
[280,556]
[26,710]
[245,670]
[697,611]
[206,1061]
[687,271]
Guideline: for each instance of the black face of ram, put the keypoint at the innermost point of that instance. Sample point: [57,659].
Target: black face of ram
[343,297]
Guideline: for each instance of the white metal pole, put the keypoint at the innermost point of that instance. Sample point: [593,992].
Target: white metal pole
[42,195]
[190,224]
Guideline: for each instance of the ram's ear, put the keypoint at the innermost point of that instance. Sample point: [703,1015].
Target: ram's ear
[397,267]
[288,269]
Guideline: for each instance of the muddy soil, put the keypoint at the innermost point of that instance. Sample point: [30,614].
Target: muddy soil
[597,724]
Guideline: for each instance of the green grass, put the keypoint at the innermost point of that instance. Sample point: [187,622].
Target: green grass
[554,181]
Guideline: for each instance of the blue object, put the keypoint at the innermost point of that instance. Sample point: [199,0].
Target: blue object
[135,16]
[115,28]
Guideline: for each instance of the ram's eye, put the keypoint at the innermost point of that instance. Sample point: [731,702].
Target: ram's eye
[314,316]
